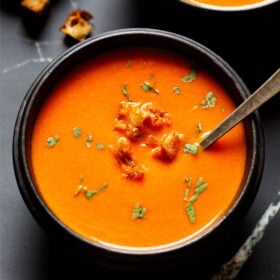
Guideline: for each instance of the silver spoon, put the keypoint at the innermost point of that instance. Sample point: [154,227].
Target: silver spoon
[265,92]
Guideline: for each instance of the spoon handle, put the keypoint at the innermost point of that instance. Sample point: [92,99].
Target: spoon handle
[266,91]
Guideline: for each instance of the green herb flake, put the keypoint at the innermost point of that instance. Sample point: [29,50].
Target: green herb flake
[209,101]
[177,90]
[89,140]
[52,141]
[194,197]
[128,64]
[190,149]
[199,188]
[81,187]
[104,186]
[191,212]
[89,194]
[187,180]
[187,190]
[200,185]
[125,93]
[138,212]
[77,132]
[191,76]
[100,146]
[149,88]
[199,127]
[124,90]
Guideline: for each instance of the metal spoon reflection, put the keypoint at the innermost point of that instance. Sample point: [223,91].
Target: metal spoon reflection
[265,92]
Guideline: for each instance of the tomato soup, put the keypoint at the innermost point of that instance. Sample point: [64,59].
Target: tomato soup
[115,151]
[226,3]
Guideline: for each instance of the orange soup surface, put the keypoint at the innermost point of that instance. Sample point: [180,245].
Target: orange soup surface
[225,3]
[115,154]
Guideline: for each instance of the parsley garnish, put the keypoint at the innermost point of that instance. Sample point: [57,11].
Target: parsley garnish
[77,132]
[190,149]
[209,101]
[199,127]
[138,212]
[148,87]
[200,186]
[128,64]
[191,212]
[89,193]
[187,180]
[177,90]
[52,141]
[100,146]
[125,92]
[190,77]
[89,140]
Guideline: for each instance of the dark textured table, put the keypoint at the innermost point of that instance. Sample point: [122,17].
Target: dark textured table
[248,41]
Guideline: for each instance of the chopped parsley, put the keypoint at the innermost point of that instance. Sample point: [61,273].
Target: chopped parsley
[100,146]
[177,90]
[138,212]
[199,127]
[190,149]
[89,140]
[89,193]
[128,64]
[125,92]
[52,141]
[190,210]
[200,186]
[191,76]
[149,88]
[209,101]
[77,132]
[187,180]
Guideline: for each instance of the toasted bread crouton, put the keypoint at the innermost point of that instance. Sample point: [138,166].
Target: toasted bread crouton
[125,158]
[36,6]
[76,25]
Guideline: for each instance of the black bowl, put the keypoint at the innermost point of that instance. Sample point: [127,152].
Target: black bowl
[150,259]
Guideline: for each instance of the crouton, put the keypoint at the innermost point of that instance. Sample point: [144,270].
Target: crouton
[36,6]
[77,24]
[135,119]
[125,158]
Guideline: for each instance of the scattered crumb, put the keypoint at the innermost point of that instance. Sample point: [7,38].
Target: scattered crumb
[36,6]
[77,24]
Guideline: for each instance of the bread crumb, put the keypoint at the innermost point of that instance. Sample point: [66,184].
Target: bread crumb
[76,24]
[36,6]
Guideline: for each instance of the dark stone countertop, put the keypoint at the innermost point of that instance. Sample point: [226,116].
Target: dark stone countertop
[248,41]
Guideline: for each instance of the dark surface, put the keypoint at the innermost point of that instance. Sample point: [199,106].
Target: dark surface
[249,42]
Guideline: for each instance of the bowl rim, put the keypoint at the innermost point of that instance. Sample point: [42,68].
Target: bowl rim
[48,221]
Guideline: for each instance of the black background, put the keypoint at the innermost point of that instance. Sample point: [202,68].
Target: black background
[249,41]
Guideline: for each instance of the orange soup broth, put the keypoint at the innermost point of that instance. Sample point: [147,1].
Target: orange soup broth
[89,97]
[226,3]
